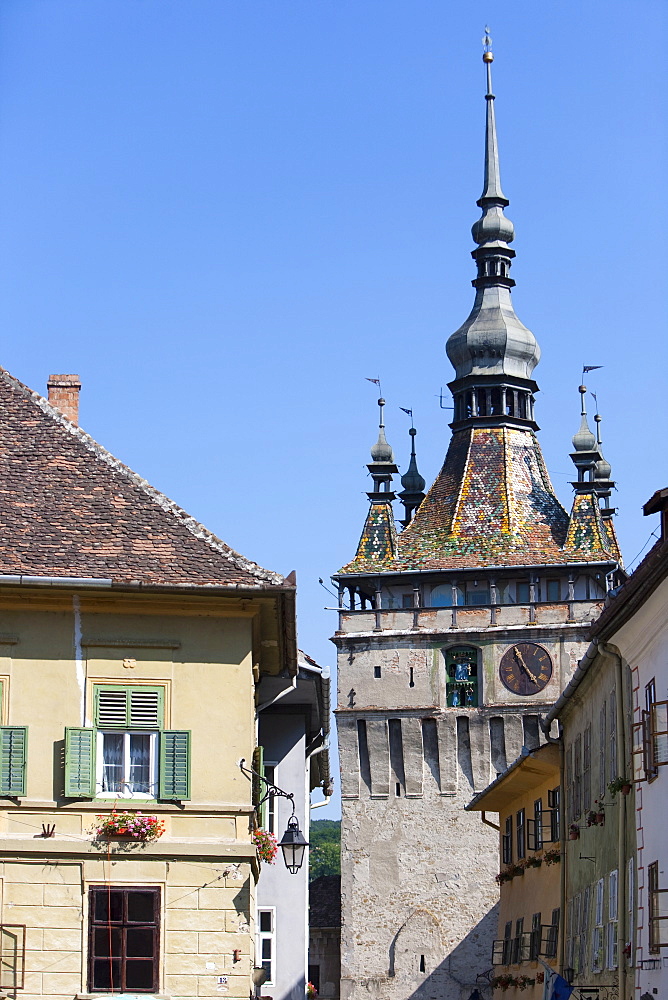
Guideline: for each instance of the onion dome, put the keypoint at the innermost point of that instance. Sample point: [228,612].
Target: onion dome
[382,450]
[411,480]
[602,469]
[584,440]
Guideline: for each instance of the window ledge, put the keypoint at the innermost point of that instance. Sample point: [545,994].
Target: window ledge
[122,996]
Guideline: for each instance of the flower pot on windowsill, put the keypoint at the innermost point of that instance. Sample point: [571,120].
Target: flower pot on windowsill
[626,788]
[130,827]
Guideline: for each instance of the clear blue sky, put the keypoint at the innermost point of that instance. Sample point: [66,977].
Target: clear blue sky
[224,214]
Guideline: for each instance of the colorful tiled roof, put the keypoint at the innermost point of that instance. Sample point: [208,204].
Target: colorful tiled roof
[69,508]
[378,541]
[492,504]
[586,530]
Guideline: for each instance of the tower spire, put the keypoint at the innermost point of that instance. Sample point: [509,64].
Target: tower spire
[493,353]
[492,188]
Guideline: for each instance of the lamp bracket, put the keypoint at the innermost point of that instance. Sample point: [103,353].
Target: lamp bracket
[269,788]
[583,857]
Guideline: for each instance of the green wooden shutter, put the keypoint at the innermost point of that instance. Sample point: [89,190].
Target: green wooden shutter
[123,707]
[13,759]
[259,786]
[175,764]
[79,763]
[258,767]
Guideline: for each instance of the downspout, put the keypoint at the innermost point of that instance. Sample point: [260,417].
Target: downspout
[325,802]
[79,666]
[621,826]
[488,822]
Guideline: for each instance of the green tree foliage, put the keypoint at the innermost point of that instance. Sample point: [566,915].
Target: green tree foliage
[325,853]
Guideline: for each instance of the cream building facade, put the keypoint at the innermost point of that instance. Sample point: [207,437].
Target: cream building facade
[132,642]
[526,798]
[631,635]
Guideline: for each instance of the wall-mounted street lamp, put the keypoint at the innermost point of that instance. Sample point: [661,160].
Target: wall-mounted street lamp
[293,843]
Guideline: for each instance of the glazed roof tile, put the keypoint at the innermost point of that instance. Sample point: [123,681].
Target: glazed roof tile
[492,504]
[69,508]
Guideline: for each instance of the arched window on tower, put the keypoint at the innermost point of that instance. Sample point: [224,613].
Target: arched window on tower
[496,402]
[461,676]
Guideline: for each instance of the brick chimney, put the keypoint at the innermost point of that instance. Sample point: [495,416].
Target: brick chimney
[64,394]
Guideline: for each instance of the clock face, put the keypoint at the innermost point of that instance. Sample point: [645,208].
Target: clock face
[525,668]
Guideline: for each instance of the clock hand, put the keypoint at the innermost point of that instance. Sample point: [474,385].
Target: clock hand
[520,660]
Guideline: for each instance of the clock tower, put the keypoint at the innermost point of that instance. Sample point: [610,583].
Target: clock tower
[454,636]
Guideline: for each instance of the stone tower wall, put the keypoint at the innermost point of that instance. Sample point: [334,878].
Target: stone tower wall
[419,897]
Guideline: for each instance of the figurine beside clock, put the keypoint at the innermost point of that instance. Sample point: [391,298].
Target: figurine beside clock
[525,668]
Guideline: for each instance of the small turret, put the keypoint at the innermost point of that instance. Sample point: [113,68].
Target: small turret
[413,484]
[377,546]
[586,453]
[590,526]
[382,466]
[602,471]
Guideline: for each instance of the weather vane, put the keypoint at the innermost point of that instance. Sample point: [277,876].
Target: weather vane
[487,55]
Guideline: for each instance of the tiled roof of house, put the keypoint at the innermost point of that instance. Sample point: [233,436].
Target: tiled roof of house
[69,508]
[324,894]
[491,504]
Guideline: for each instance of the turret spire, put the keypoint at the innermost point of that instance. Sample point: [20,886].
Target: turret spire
[413,484]
[602,470]
[586,453]
[382,465]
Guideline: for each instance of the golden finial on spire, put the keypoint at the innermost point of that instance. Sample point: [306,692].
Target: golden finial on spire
[487,55]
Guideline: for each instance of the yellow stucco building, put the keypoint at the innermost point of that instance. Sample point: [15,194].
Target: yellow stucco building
[131,644]
[527,799]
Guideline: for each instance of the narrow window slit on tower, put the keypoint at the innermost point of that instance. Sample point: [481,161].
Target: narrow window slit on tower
[423,967]
[376,671]
[363,747]
[396,754]
[430,748]
[411,682]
